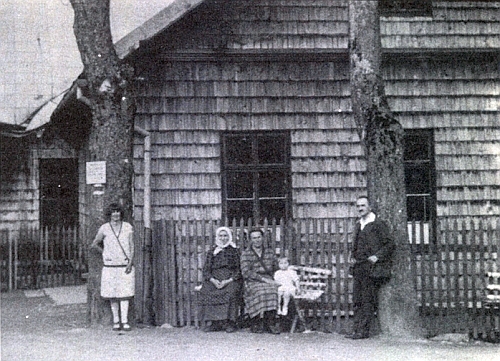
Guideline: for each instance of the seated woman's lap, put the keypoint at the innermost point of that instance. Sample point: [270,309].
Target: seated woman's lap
[260,297]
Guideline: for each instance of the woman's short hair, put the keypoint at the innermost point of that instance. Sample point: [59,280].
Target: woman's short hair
[114,207]
[256,230]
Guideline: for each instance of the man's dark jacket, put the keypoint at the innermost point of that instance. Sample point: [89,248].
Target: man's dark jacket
[373,240]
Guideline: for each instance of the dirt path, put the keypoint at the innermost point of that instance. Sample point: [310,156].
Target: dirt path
[36,329]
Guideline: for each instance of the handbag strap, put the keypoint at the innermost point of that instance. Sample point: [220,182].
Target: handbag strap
[268,272]
[118,239]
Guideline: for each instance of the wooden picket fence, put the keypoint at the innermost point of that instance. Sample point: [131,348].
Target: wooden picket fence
[450,276]
[34,259]
[449,273]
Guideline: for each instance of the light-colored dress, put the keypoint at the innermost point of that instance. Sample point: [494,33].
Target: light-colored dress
[115,283]
[287,280]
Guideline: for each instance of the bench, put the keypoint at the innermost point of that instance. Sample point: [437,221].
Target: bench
[491,301]
[313,284]
[492,290]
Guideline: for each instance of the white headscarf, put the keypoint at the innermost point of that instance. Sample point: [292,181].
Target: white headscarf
[218,243]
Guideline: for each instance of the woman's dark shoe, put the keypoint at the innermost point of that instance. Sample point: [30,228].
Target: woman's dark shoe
[214,327]
[210,328]
[275,329]
[258,326]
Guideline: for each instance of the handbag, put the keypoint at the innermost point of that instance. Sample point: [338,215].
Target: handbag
[380,271]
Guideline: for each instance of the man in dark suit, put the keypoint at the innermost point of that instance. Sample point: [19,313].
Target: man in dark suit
[371,254]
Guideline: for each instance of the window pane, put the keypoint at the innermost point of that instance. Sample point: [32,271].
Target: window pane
[239,209]
[255,170]
[238,150]
[418,208]
[416,148]
[272,184]
[418,178]
[239,185]
[272,208]
[271,149]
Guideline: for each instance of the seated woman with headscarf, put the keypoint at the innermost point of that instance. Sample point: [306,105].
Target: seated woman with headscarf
[220,294]
[258,265]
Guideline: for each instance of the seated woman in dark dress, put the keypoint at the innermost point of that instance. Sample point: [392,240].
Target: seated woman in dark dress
[220,294]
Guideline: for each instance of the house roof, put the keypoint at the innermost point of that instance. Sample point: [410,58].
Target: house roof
[133,40]
[158,23]
[397,34]
[40,61]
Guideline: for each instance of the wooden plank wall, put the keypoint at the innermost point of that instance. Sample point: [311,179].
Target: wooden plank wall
[18,186]
[263,25]
[188,106]
[454,25]
[19,178]
[187,101]
[458,98]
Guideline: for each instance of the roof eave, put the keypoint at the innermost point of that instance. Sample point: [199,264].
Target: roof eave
[158,23]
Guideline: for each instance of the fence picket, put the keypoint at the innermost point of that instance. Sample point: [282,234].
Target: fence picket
[448,271]
[330,265]
[347,289]
[28,261]
[440,300]
[172,273]
[456,265]
[11,263]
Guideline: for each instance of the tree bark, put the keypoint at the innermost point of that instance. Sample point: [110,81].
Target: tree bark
[107,92]
[382,138]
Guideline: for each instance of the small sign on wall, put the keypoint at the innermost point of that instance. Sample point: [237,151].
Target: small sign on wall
[96,172]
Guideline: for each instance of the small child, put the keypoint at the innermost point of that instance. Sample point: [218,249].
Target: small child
[289,284]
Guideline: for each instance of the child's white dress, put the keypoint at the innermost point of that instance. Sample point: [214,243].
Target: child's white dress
[287,280]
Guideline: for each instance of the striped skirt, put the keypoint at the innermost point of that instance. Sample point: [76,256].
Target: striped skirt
[260,297]
[115,283]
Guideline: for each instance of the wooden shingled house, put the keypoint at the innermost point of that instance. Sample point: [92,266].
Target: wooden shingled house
[248,106]
[247,113]
[249,110]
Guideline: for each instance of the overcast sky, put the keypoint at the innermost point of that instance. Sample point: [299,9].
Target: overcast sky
[126,15]
[40,58]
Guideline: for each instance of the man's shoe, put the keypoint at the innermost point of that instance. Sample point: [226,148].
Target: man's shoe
[116,326]
[230,327]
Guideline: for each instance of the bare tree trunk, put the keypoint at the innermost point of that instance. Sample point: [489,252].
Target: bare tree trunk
[382,137]
[107,92]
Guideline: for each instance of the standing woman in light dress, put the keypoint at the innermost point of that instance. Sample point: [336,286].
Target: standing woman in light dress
[115,240]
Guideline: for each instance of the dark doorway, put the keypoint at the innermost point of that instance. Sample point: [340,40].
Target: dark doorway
[58,192]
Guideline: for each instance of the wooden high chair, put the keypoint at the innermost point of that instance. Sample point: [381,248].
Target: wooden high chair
[313,283]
